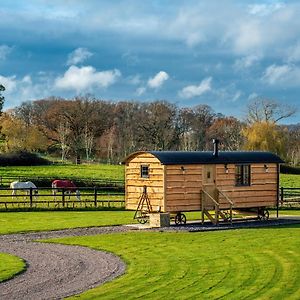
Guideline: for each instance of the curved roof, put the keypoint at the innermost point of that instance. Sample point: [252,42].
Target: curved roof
[206,157]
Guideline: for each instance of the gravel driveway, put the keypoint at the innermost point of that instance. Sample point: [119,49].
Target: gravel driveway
[56,271]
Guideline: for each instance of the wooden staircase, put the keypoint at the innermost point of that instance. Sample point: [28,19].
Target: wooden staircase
[212,208]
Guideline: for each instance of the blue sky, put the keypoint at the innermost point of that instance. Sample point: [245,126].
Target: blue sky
[220,53]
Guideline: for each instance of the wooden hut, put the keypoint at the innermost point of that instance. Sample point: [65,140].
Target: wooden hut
[176,182]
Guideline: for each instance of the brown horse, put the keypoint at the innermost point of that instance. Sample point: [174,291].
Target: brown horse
[66,185]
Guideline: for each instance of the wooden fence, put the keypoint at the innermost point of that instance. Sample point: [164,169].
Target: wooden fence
[43,198]
[289,197]
[46,181]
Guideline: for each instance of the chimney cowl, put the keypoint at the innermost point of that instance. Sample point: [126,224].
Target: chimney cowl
[216,147]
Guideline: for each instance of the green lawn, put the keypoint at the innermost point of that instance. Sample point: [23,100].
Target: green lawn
[11,222]
[99,171]
[10,265]
[290,180]
[235,264]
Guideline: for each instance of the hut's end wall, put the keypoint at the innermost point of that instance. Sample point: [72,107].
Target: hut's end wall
[134,183]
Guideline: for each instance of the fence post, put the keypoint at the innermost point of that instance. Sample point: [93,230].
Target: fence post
[95,196]
[281,195]
[63,197]
[30,197]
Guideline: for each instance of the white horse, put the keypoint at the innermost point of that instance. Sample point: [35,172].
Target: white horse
[18,185]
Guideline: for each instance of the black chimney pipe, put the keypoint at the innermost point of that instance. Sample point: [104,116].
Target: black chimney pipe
[216,147]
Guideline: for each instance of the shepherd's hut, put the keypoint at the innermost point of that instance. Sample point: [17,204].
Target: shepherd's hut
[181,181]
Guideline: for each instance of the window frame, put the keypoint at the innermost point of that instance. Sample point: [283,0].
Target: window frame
[143,174]
[242,175]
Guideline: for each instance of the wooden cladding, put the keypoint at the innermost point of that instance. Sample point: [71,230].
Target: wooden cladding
[153,179]
[177,188]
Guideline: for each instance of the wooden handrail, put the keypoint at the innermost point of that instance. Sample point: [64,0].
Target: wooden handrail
[214,201]
[225,196]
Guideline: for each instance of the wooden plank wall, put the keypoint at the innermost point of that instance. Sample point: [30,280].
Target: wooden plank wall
[183,187]
[134,183]
[261,192]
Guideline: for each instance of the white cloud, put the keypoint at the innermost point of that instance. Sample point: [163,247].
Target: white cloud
[294,53]
[252,96]
[18,90]
[4,51]
[265,9]
[246,62]
[158,80]
[85,78]
[134,80]
[250,33]
[287,75]
[10,83]
[79,55]
[275,74]
[196,90]
[236,96]
[140,91]
[248,37]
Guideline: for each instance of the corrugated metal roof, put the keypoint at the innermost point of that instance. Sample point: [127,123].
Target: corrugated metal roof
[224,157]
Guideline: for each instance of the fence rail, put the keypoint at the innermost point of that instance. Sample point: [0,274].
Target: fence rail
[46,181]
[45,198]
[289,197]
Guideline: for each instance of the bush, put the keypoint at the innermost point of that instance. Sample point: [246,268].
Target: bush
[22,158]
[286,169]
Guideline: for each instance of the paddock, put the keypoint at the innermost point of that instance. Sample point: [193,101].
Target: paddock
[91,198]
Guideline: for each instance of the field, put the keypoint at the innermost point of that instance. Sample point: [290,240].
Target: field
[12,222]
[99,171]
[89,198]
[237,264]
[290,180]
[10,265]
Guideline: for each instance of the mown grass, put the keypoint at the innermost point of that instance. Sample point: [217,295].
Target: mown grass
[10,265]
[290,180]
[12,222]
[237,264]
[99,171]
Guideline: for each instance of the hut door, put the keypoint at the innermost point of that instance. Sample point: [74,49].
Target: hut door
[209,180]
[209,175]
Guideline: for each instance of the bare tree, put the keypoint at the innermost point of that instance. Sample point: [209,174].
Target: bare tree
[266,110]
[292,133]
[229,131]
[158,126]
[63,132]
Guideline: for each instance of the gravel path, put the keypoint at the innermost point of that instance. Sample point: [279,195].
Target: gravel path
[56,271]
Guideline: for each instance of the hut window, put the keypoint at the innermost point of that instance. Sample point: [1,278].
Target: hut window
[242,175]
[144,171]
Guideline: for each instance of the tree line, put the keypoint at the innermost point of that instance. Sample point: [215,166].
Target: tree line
[107,131]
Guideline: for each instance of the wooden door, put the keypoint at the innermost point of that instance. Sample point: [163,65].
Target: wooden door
[209,175]
[209,184]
